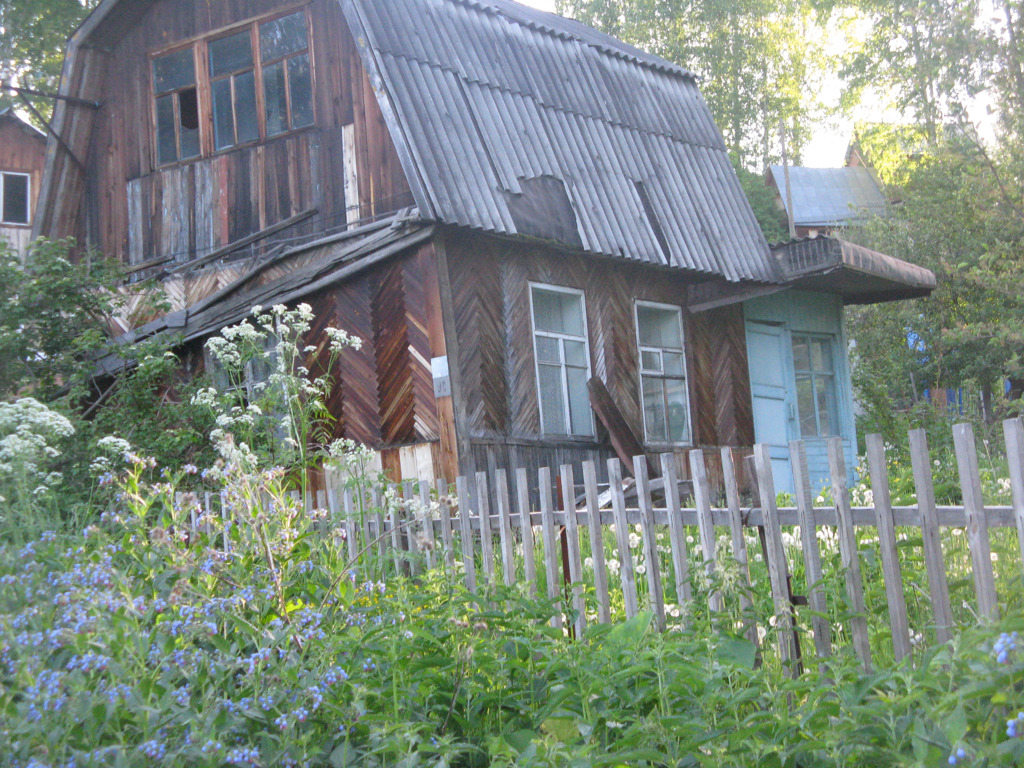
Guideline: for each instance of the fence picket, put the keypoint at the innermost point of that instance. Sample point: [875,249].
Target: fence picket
[1013,433]
[409,526]
[572,540]
[505,528]
[739,544]
[596,542]
[547,528]
[650,539]
[466,529]
[526,526]
[677,536]
[447,543]
[486,532]
[702,498]
[352,534]
[626,574]
[429,545]
[889,554]
[934,562]
[977,525]
[812,555]
[777,569]
[378,516]
[848,553]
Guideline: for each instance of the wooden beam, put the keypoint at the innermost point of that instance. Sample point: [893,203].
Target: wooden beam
[624,440]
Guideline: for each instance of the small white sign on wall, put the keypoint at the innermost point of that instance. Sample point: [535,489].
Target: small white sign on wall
[442,380]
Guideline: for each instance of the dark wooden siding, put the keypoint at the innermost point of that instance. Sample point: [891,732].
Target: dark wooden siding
[137,212]
[490,280]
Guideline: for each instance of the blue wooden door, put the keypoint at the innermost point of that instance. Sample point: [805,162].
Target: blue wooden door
[771,363]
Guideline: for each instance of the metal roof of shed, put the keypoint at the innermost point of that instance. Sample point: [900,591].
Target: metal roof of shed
[516,121]
[829,197]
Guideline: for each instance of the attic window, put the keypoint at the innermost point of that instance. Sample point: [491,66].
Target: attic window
[177,106]
[14,198]
[255,82]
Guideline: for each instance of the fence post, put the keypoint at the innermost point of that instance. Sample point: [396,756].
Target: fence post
[848,552]
[977,525]
[447,542]
[887,547]
[1013,433]
[604,614]
[466,528]
[626,574]
[777,569]
[739,544]
[812,556]
[547,528]
[677,535]
[526,524]
[931,540]
[650,540]
[572,538]
[486,532]
[706,526]
[508,562]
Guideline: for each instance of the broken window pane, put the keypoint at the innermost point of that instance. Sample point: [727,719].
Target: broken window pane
[166,142]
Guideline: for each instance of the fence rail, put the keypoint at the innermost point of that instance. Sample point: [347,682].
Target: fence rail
[482,545]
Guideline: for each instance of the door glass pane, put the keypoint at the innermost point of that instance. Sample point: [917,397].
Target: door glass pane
[276,98]
[300,86]
[827,417]
[551,399]
[173,71]
[245,107]
[821,355]
[801,353]
[166,144]
[15,194]
[579,401]
[282,36]
[654,409]
[805,406]
[575,353]
[659,327]
[230,54]
[558,312]
[223,118]
[673,363]
[676,399]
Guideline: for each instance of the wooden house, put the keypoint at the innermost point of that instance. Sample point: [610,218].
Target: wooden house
[22,158]
[822,201]
[504,204]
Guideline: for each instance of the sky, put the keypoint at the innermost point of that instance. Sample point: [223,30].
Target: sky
[827,148]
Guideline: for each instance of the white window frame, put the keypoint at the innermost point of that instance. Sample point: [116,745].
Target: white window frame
[815,376]
[561,337]
[637,304]
[28,199]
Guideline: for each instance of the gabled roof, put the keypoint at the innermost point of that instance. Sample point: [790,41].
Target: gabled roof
[8,115]
[515,121]
[829,197]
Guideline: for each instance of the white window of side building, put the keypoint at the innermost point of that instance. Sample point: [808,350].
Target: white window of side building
[663,387]
[14,199]
[815,371]
[563,360]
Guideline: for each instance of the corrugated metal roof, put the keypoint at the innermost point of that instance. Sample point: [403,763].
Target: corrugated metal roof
[483,97]
[829,197]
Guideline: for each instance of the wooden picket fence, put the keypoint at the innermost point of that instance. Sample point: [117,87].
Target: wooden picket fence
[481,545]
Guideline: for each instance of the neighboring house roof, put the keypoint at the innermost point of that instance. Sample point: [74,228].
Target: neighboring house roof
[829,197]
[516,121]
[8,115]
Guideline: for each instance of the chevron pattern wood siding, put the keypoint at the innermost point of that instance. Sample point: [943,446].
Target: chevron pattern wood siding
[359,417]
[391,340]
[490,281]
[415,278]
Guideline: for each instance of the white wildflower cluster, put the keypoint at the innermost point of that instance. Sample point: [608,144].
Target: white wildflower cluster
[28,433]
